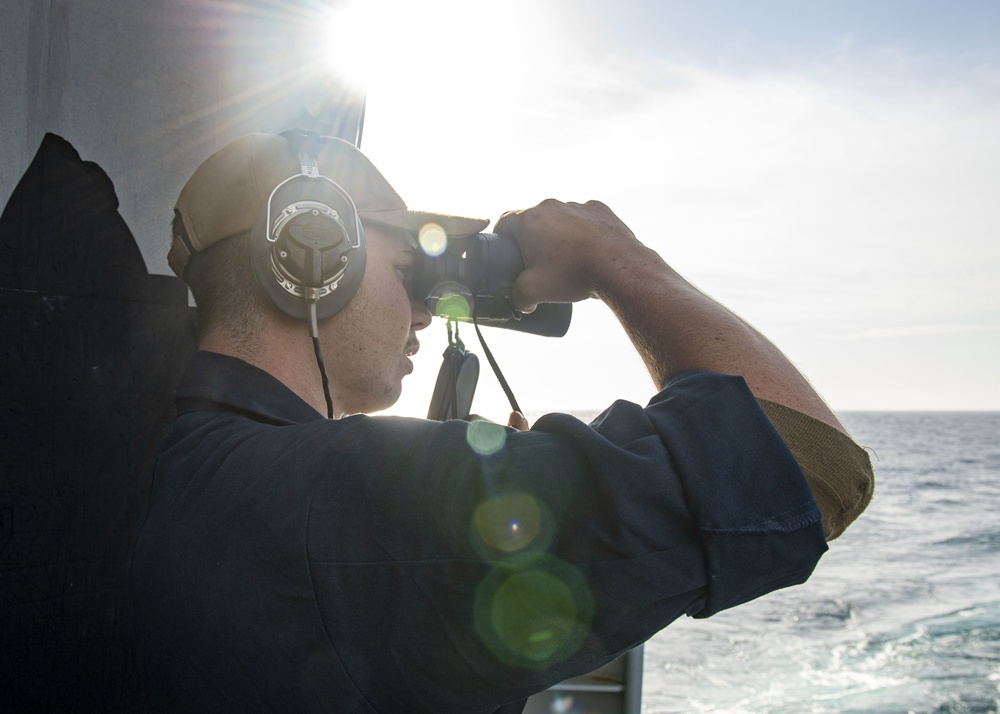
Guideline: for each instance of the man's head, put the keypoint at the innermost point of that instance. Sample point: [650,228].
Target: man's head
[214,251]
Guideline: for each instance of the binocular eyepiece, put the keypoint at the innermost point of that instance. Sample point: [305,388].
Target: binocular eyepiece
[474,280]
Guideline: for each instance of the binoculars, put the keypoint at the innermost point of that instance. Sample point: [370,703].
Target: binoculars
[471,281]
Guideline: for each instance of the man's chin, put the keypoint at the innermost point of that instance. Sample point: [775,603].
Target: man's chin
[387,399]
[372,396]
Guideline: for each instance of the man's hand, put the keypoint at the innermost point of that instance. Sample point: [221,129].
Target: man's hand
[516,420]
[568,249]
[574,251]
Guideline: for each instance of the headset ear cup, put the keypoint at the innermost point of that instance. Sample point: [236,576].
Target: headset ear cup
[317,245]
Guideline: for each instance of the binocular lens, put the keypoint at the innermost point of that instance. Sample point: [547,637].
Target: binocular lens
[475,279]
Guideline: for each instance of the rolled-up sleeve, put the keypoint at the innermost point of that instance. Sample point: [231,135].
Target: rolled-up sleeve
[759,524]
[838,471]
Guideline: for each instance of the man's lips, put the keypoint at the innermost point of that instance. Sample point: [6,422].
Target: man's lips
[412,347]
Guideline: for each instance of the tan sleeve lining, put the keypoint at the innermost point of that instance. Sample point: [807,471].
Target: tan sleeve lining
[838,471]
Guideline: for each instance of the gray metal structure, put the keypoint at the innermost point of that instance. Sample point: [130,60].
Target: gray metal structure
[149,89]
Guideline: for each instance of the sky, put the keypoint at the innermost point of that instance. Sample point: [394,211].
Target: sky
[828,171]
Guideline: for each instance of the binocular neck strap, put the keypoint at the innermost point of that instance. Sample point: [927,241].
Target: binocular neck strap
[493,363]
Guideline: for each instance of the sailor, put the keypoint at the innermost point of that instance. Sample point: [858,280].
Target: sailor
[299,555]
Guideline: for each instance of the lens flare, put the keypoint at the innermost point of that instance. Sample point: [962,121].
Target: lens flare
[533,611]
[453,306]
[485,437]
[433,239]
[562,704]
[515,523]
[509,523]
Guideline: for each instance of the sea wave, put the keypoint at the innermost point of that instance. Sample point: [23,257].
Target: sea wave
[902,615]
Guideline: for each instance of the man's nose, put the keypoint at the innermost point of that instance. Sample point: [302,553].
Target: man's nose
[421,316]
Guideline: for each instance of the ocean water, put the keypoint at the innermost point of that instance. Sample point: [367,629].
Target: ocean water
[901,615]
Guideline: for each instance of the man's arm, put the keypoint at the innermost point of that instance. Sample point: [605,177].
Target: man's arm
[574,251]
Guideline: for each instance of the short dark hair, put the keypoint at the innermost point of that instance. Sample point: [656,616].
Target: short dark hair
[225,290]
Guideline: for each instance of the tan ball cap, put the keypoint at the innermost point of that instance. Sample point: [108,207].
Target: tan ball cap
[227,192]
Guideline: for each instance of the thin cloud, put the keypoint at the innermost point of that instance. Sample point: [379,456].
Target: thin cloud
[914,331]
[822,204]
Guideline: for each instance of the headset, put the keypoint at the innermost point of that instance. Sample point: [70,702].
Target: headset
[307,242]
[308,253]
[308,245]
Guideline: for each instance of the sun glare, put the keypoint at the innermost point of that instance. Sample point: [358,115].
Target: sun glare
[399,47]
[347,34]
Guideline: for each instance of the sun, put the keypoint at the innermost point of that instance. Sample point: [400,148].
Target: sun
[403,47]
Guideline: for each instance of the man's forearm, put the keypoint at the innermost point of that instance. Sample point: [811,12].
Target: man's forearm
[676,327]
[574,250]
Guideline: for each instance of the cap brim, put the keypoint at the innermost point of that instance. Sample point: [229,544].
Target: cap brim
[413,221]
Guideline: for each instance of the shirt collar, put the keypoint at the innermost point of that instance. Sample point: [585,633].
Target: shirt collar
[216,382]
